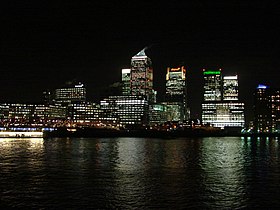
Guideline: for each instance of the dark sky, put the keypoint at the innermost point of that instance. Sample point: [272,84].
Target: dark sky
[46,43]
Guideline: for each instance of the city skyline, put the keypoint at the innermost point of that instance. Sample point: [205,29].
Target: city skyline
[45,44]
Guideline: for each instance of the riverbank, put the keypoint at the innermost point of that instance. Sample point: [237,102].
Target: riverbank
[94,132]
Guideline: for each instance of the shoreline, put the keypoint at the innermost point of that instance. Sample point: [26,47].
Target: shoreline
[109,133]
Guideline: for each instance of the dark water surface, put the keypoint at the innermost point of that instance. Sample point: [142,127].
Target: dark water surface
[139,173]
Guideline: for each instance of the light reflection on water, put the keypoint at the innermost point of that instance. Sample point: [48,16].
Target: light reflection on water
[125,173]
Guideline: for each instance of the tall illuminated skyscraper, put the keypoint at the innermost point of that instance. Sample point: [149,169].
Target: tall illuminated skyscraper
[212,85]
[230,88]
[221,107]
[176,84]
[266,110]
[142,75]
[176,91]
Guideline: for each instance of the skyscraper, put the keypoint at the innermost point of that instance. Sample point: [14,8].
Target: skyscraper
[71,93]
[126,82]
[221,107]
[176,91]
[142,75]
[266,110]
[127,111]
[176,84]
[212,85]
[230,88]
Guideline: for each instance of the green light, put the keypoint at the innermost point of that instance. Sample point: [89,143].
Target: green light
[211,72]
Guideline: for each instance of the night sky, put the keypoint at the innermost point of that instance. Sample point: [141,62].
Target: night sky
[47,43]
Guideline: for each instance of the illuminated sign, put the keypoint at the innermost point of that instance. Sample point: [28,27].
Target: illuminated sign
[211,72]
[262,86]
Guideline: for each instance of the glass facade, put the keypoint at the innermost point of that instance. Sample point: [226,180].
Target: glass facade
[157,114]
[176,93]
[176,84]
[84,113]
[71,94]
[230,88]
[31,114]
[174,111]
[126,82]
[266,110]
[126,110]
[223,114]
[221,107]
[212,85]
[142,75]
[275,108]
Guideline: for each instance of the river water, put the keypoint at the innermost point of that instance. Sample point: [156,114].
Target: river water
[140,173]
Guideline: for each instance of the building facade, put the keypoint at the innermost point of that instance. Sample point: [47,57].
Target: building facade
[266,110]
[142,75]
[35,115]
[157,114]
[71,93]
[221,106]
[126,73]
[230,88]
[176,92]
[126,111]
[212,85]
[223,114]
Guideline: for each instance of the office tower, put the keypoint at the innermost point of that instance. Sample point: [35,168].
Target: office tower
[176,84]
[126,82]
[230,88]
[212,85]
[71,93]
[223,114]
[176,92]
[17,114]
[84,113]
[49,114]
[275,109]
[266,110]
[142,75]
[221,107]
[157,114]
[173,111]
[126,111]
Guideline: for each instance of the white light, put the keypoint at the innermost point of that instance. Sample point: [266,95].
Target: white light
[230,77]
[125,71]
[80,85]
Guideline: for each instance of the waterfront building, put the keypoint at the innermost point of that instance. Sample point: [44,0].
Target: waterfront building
[221,106]
[266,110]
[142,76]
[174,111]
[262,110]
[212,85]
[157,114]
[126,82]
[84,113]
[17,114]
[223,114]
[230,88]
[176,91]
[126,111]
[70,93]
[275,111]
[49,112]
[31,114]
